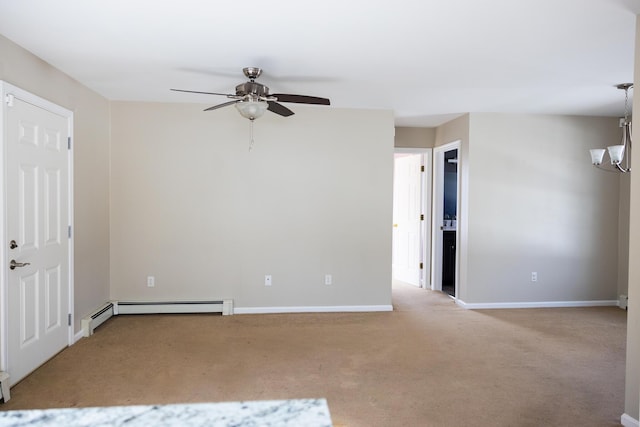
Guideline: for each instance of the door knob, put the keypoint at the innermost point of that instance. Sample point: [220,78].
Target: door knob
[13,264]
[13,244]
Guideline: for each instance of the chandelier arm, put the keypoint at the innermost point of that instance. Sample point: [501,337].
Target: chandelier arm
[621,169]
[627,132]
[606,169]
[626,104]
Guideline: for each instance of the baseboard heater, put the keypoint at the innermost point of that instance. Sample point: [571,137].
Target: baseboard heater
[100,316]
[137,307]
[91,322]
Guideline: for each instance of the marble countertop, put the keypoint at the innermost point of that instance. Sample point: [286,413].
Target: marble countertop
[268,413]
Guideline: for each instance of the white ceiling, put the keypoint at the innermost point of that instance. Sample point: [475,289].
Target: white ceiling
[428,60]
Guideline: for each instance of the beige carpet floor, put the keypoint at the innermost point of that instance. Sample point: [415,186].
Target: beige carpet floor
[427,363]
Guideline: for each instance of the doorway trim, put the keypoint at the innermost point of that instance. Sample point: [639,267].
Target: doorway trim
[8,92]
[425,206]
[438,213]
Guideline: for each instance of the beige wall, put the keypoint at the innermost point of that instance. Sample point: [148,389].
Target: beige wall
[537,204]
[415,137]
[91,167]
[623,233]
[632,395]
[454,130]
[192,207]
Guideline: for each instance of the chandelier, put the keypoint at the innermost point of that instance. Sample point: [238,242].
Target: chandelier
[620,154]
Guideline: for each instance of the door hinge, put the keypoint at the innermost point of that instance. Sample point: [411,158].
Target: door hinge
[69,231]
[421,266]
[69,320]
[422,168]
[421,217]
[69,143]
[9,99]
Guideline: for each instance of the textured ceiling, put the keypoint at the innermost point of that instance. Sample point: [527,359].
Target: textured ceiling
[428,60]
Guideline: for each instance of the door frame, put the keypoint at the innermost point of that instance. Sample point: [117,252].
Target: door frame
[7,91]
[425,206]
[438,214]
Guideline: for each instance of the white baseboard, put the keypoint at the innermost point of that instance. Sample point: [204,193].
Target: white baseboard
[312,309]
[78,336]
[97,318]
[174,307]
[623,300]
[539,304]
[628,421]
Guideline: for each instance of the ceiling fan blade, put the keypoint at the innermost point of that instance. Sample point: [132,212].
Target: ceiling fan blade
[301,99]
[274,107]
[224,104]
[205,93]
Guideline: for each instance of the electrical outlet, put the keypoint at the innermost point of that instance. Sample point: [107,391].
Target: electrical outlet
[151,281]
[328,279]
[534,276]
[267,280]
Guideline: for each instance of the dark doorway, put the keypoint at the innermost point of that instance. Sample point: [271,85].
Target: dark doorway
[450,222]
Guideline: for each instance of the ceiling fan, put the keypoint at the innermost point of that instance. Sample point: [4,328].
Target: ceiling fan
[252,99]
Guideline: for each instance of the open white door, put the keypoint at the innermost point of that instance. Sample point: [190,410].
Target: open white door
[36,282]
[410,217]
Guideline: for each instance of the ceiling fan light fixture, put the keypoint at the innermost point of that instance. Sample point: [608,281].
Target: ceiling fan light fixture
[251,109]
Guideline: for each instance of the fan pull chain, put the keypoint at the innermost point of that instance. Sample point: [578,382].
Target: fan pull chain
[251,143]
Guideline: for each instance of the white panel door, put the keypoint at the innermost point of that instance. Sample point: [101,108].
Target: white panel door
[407,207]
[37,213]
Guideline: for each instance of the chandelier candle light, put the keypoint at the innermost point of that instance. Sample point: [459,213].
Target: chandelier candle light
[618,154]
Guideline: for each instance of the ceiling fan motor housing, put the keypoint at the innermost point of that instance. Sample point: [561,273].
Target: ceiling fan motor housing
[252,88]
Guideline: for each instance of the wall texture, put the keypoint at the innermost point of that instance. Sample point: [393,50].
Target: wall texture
[455,130]
[91,167]
[415,137]
[537,204]
[623,233]
[191,206]
[632,387]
